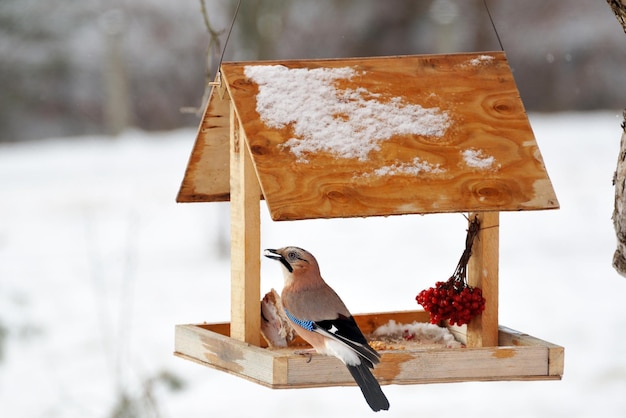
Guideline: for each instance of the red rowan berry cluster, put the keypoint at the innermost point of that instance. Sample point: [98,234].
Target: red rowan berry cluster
[454,299]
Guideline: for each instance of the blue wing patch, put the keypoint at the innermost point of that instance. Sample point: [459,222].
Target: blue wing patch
[307,325]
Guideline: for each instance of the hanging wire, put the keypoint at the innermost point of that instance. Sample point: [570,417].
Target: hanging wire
[219,64]
[214,44]
[493,25]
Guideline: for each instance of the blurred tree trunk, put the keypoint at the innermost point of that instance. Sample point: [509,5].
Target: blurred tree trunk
[117,97]
[260,25]
[619,8]
[619,179]
[619,210]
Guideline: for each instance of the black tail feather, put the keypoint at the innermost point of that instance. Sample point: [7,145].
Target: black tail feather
[374,395]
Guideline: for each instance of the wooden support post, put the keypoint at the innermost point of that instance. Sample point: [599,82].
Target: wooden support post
[482,272]
[245,249]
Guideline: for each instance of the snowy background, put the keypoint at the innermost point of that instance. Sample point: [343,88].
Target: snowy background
[97,265]
[67,63]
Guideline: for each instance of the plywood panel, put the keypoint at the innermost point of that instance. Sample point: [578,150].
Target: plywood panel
[207,177]
[486,158]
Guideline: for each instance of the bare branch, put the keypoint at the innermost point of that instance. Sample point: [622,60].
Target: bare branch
[213,50]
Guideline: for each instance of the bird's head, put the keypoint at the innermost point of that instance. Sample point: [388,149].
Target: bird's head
[294,259]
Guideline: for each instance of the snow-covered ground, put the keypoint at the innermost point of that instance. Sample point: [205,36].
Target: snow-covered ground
[98,263]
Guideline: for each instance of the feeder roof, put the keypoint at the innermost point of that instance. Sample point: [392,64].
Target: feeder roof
[374,136]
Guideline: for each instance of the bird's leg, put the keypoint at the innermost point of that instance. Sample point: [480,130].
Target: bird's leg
[308,353]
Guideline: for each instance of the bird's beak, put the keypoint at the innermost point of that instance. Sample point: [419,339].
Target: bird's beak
[275,255]
[270,253]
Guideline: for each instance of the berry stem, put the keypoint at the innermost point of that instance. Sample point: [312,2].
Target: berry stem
[460,273]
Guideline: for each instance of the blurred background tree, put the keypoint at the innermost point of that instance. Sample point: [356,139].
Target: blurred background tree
[56,56]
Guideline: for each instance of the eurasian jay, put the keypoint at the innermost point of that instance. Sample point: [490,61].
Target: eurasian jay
[320,317]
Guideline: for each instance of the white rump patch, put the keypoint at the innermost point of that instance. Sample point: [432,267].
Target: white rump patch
[344,353]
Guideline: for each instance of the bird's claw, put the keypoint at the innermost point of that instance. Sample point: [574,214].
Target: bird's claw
[306,353]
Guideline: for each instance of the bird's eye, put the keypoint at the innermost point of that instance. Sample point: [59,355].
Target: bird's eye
[292,255]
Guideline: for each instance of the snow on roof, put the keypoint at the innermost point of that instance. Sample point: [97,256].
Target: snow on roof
[415,167]
[481,59]
[476,158]
[348,123]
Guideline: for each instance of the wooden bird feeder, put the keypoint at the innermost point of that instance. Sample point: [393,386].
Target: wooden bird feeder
[368,137]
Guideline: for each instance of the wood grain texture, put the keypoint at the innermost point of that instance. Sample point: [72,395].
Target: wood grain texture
[483,268]
[517,357]
[245,232]
[556,353]
[487,115]
[207,176]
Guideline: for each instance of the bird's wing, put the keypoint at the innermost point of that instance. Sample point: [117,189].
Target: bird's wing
[343,329]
